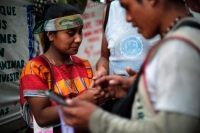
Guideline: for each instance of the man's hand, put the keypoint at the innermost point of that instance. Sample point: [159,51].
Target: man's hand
[78,113]
[116,86]
[132,73]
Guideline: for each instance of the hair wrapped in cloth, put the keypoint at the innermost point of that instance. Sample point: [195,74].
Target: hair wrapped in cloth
[63,23]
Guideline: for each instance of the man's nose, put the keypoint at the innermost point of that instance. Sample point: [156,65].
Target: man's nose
[128,17]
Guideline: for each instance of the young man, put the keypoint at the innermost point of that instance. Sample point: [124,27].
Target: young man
[167,97]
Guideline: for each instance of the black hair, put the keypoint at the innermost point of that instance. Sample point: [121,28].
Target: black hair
[53,11]
[177,1]
[179,4]
[139,1]
[174,1]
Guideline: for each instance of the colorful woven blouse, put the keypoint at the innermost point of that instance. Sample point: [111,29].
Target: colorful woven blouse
[69,81]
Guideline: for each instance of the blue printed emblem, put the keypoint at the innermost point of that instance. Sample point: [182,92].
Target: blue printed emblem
[131,47]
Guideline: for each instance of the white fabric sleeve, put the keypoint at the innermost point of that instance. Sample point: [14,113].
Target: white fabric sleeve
[178,78]
[164,122]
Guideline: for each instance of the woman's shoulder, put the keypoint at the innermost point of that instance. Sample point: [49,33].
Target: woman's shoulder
[78,59]
[38,61]
[86,64]
[84,60]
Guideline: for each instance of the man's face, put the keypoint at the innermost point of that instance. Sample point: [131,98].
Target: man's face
[140,14]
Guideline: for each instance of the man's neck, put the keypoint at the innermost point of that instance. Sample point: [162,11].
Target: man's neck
[169,17]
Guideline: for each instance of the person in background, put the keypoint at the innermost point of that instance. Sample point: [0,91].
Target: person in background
[57,69]
[167,87]
[123,49]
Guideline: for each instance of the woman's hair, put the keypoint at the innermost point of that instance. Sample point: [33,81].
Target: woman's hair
[55,11]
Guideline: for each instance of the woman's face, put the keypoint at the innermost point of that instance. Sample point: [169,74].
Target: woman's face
[67,41]
[142,15]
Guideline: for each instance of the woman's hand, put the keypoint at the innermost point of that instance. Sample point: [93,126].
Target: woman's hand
[93,95]
[99,73]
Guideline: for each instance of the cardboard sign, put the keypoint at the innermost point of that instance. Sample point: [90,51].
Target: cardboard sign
[92,33]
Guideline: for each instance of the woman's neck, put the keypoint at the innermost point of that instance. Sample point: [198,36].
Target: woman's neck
[57,58]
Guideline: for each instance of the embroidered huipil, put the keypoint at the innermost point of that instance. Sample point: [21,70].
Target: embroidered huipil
[69,81]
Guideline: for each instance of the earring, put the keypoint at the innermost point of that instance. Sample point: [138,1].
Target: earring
[50,39]
[152,2]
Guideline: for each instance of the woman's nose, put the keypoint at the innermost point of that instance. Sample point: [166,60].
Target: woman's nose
[78,38]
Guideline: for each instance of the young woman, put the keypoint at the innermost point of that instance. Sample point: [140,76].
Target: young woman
[62,36]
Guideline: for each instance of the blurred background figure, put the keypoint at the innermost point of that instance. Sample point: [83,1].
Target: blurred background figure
[122,46]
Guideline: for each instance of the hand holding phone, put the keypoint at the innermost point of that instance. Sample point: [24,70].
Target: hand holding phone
[53,96]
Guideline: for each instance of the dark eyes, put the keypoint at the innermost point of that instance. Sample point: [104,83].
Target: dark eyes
[72,32]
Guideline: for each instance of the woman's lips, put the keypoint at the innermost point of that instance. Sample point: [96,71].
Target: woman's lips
[74,47]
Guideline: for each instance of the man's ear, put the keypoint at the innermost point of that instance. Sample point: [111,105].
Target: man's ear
[153,2]
[50,36]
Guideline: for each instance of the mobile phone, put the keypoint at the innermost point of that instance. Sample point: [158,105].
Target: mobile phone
[55,97]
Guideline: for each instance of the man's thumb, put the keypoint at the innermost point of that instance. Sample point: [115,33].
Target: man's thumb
[130,71]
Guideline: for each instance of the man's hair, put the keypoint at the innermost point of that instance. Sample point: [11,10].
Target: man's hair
[177,3]
[174,1]
[139,1]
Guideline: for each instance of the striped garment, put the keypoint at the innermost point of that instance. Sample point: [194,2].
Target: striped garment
[69,81]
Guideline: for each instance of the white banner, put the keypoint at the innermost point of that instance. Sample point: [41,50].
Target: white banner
[92,33]
[14,54]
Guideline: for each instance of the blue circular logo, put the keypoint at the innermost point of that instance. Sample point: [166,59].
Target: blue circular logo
[131,47]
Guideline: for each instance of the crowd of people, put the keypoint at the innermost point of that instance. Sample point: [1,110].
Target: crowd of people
[149,67]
